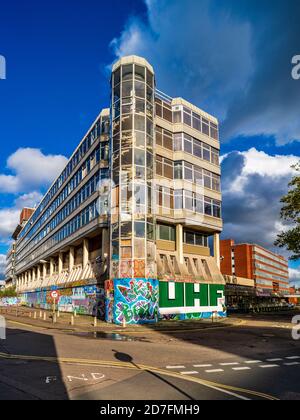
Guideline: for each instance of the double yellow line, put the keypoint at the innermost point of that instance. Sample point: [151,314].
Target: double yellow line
[231,390]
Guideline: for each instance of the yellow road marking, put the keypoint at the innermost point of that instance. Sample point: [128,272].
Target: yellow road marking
[241,322]
[126,365]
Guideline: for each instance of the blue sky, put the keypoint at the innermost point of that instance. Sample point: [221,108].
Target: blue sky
[231,58]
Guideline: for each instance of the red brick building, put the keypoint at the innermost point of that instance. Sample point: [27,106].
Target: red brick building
[267,269]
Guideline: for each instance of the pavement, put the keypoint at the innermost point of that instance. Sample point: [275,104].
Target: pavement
[246,357]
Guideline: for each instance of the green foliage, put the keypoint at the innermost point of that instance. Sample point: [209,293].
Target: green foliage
[10,292]
[290,212]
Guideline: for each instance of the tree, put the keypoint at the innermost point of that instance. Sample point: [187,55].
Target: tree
[10,292]
[290,212]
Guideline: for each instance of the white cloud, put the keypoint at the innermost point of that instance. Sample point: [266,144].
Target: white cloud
[260,163]
[253,183]
[30,169]
[10,217]
[203,55]
[223,57]
[295,276]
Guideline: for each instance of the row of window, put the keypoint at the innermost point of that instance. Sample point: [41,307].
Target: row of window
[188,144]
[168,233]
[181,142]
[187,200]
[193,173]
[102,126]
[269,276]
[272,269]
[100,153]
[133,122]
[132,106]
[188,172]
[83,194]
[270,262]
[83,218]
[132,89]
[132,71]
[184,115]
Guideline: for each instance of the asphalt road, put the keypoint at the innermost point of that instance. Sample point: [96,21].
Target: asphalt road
[255,360]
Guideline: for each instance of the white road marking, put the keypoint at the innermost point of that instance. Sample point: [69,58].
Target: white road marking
[214,370]
[274,360]
[229,364]
[251,362]
[268,366]
[202,366]
[175,367]
[241,368]
[292,364]
[191,372]
[293,357]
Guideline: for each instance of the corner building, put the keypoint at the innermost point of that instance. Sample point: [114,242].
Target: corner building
[125,231]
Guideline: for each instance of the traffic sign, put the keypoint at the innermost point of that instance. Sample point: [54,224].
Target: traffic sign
[54,295]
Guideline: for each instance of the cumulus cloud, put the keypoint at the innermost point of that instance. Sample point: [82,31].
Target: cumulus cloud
[295,276]
[253,184]
[9,217]
[30,169]
[231,58]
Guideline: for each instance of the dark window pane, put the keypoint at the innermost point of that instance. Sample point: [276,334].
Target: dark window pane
[140,73]
[127,72]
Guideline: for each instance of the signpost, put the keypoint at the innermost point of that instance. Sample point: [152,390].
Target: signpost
[55,296]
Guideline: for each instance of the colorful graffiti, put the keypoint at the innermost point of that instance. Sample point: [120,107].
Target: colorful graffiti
[85,300]
[10,301]
[134,300]
[183,301]
[109,301]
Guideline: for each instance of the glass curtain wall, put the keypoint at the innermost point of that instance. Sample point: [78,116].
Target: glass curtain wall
[132,198]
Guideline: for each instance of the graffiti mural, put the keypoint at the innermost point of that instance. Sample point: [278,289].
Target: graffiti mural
[109,301]
[10,301]
[134,300]
[85,300]
[181,301]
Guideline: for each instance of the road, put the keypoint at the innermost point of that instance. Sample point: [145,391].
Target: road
[257,359]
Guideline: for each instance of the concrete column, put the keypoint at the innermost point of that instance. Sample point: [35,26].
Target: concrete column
[85,253]
[71,258]
[51,266]
[179,243]
[29,276]
[44,270]
[60,262]
[217,249]
[33,274]
[38,273]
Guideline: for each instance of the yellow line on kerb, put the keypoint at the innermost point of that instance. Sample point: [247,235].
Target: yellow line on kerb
[143,331]
[131,366]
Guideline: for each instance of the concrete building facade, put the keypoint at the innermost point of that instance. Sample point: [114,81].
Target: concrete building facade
[124,231]
[268,270]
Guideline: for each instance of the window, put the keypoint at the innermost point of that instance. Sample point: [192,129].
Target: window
[127,72]
[166,233]
[178,170]
[140,73]
[205,126]
[126,89]
[188,148]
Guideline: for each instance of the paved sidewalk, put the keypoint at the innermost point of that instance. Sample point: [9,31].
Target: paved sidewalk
[83,323]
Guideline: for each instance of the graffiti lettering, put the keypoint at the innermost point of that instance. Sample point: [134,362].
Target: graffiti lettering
[190,298]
